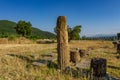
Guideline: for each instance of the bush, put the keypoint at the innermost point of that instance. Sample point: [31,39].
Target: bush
[12,37]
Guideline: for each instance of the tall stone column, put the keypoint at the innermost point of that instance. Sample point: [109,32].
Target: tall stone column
[62,43]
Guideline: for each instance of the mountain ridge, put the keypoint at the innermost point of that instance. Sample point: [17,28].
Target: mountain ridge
[103,35]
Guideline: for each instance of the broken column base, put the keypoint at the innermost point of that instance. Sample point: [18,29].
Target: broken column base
[118,48]
[74,56]
[98,68]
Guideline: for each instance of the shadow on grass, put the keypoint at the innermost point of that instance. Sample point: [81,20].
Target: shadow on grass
[74,72]
[45,42]
[113,67]
[42,62]
[52,65]
[118,57]
[39,62]
[21,57]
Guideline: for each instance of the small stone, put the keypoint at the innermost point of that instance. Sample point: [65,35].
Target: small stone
[39,64]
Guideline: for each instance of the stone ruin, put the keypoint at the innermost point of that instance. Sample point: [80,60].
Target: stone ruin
[98,68]
[118,48]
[74,56]
[62,43]
[83,52]
[97,65]
[115,44]
[77,54]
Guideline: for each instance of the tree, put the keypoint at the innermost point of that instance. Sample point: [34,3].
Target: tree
[24,28]
[74,33]
[118,35]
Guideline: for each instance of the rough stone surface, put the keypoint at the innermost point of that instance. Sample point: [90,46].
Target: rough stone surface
[83,64]
[98,68]
[62,43]
[115,44]
[83,53]
[118,48]
[49,55]
[39,64]
[45,59]
[74,56]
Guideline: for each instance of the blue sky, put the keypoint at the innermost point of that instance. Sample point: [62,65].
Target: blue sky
[95,16]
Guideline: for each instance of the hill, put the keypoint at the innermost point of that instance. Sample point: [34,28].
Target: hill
[7,28]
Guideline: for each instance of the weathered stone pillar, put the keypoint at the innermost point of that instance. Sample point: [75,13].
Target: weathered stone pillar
[82,52]
[98,68]
[62,43]
[115,44]
[118,48]
[74,56]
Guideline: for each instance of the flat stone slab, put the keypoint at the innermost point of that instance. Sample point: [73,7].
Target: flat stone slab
[84,64]
[39,64]
[45,60]
[49,55]
[113,78]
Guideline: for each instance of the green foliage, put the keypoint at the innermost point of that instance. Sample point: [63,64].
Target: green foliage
[12,37]
[74,33]
[42,34]
[24,28]
[7,28]
[118,35]
[3,35]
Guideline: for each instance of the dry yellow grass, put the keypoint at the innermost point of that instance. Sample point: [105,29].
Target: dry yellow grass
[85,44]
[13,68]
[20,40]
[24,48]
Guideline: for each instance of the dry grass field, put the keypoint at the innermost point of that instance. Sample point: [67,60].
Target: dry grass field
[17,68]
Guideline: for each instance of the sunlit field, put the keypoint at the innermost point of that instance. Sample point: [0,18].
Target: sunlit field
[17,68]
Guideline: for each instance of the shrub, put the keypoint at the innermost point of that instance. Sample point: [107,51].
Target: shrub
[12,37]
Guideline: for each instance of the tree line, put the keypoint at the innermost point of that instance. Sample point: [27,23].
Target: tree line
[24,29]
[118,36]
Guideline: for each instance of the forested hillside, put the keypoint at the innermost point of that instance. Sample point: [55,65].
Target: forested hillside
[7,29]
